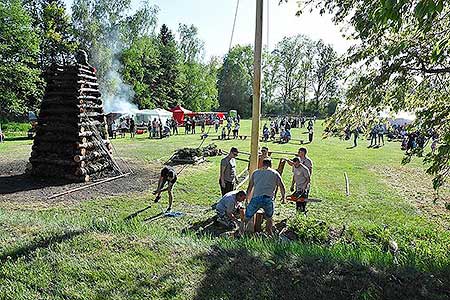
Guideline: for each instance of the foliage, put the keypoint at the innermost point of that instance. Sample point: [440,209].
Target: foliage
[402,64]
[168,89]
[199,92]
[234,82]
[20,85]
[104,28]
[55,31]
[191,47]
[302,75]
[141,70]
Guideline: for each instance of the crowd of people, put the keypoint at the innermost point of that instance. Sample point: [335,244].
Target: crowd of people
[282,126]
[410,140]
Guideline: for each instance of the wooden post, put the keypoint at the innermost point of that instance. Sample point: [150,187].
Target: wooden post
[347,185]
[256,110]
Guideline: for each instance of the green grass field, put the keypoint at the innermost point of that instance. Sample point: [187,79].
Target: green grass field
[87,250]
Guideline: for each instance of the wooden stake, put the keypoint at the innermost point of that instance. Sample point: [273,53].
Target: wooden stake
[347,185]
[87,186]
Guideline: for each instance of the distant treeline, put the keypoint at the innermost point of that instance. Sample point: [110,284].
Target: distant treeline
[164,70]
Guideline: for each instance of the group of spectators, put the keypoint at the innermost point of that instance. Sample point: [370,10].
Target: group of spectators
[283,126]
[232,126]
[261,191]
[125,125]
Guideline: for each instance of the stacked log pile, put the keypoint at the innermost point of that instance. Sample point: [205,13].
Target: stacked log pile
[71,140]
[194,155]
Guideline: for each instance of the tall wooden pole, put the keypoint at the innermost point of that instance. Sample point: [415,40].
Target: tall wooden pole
[256,110]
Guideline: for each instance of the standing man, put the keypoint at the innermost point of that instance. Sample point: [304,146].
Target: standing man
[228,171]
[303,159]
[168,175]
[310,134]
[263,183]
[300,182]
[355,136]
[228,206]
[132,127]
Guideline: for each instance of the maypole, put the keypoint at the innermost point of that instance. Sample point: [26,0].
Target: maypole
[256,109]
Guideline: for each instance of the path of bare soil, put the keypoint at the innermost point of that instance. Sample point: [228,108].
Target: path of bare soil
[15,186]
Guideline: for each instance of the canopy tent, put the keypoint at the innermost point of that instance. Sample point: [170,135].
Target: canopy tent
[147,115]
[179,112]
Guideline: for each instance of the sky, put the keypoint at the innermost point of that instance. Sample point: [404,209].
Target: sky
[214,20]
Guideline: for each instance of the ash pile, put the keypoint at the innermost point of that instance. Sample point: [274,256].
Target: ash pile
[71,138]
[194,155]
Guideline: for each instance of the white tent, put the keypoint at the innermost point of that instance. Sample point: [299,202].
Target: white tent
[147,115]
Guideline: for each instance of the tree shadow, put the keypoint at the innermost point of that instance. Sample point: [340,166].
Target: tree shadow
[237,273]
[22,182]
[26,250]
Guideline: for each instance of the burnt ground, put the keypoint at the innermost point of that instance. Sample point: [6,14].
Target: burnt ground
[16,186]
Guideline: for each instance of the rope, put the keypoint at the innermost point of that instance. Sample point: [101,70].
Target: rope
[234,25]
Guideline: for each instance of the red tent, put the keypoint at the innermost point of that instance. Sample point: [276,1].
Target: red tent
[179,112]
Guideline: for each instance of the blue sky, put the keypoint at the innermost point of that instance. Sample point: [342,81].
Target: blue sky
[214,19]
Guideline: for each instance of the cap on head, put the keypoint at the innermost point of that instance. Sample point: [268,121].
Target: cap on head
[234,150]
[303,150]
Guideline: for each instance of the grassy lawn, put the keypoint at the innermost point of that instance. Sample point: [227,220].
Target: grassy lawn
[88,250]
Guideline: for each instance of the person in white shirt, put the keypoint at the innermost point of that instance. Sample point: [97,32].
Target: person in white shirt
[228,206]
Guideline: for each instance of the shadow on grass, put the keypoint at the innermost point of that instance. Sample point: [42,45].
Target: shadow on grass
[20,183]
[17,138]
[135,214]
[26,250]
[238,273]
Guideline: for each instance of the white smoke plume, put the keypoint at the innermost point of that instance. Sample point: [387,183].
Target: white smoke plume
[116,94]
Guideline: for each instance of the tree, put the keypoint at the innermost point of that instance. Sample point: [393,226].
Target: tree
[105,28]
[141,70]
[54,28]
[20,85]
[325,75]
[234,81]
[289,53]
[168,89]
[190,45]
[269,80]
[403,64]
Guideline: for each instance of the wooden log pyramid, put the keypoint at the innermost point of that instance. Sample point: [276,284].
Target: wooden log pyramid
[71,138]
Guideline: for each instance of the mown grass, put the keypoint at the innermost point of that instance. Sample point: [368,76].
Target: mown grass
[89,250]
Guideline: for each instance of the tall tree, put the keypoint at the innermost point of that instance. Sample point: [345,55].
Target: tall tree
[191,46]
[168,83]
[105,28]
[20,85]
[55,30]
[289,53]
[235,80]
[269,81]
[403,64]
[142,70]
[326,74]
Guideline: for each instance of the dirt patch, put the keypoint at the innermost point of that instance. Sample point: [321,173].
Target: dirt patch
[416,187]
[15,186]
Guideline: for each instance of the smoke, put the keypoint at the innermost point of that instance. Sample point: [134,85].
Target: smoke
[117,95]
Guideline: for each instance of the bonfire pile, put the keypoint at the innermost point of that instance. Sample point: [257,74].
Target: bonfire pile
[194,155]
[71,140]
